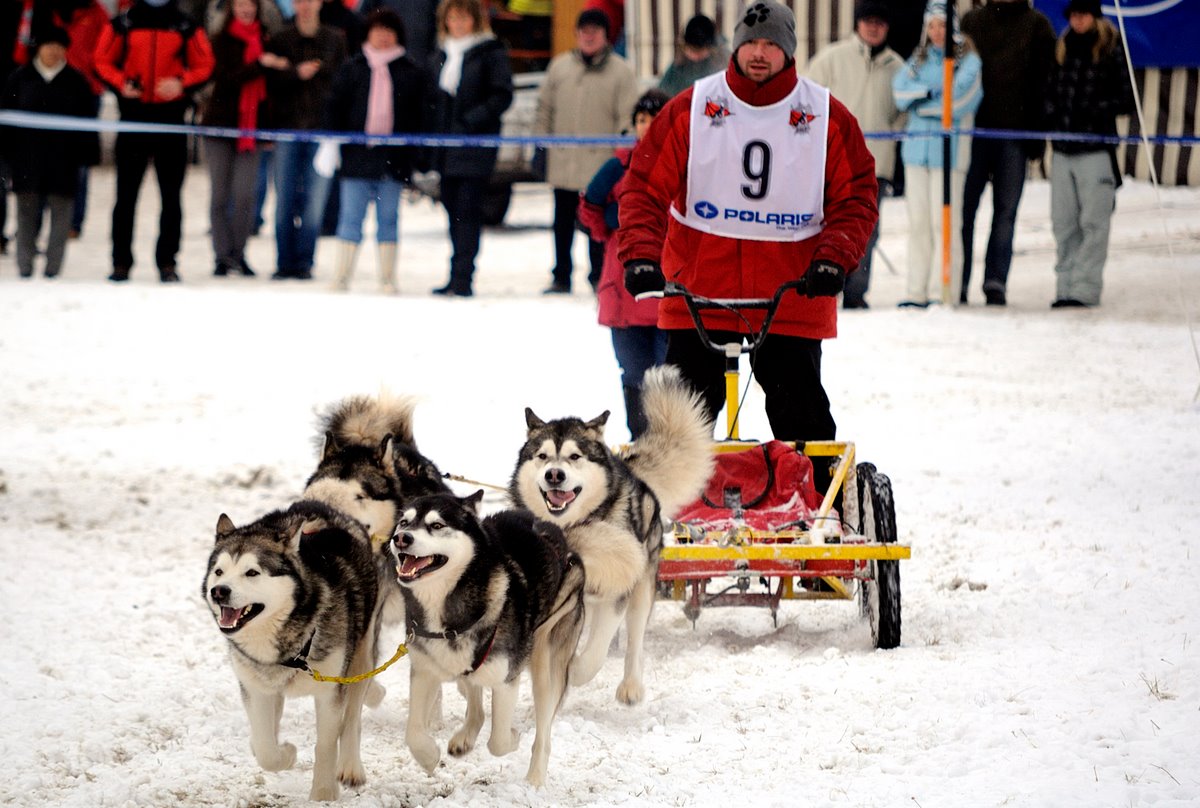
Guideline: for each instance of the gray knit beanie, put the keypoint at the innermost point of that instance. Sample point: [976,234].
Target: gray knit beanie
[767,19]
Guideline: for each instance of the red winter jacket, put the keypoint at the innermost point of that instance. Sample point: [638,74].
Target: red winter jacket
[716,266]
[147,44]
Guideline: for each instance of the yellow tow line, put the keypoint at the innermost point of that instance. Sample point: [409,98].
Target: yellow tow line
[401,650]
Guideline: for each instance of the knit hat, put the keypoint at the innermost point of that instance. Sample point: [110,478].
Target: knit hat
[1085,7]
[52,33]
[700,32]
[651,102]
[871,8]
[935,9]
[592,16]
[767,19]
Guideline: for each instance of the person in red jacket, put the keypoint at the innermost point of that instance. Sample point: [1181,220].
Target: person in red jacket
[751,178]
[152,56]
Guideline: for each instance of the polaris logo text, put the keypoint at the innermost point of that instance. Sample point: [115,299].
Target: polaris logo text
[778,219]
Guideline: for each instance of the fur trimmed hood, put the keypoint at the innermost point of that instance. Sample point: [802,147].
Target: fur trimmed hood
[1106,41]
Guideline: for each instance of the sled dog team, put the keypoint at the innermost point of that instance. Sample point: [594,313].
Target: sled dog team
[377,540]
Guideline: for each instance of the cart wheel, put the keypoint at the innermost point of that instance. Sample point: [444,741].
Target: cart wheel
[880,596]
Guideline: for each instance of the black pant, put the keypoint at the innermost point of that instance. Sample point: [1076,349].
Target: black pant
[134,151]
[788,368]
[463,199]
[566,203]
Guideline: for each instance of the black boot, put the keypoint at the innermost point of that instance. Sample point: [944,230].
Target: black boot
[635,416]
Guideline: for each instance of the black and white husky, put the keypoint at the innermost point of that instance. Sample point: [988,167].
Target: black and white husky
[486,599]
[292,590]
[611,507]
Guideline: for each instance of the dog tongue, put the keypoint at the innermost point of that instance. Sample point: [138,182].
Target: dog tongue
[559,498]
[229,617]
[411,565]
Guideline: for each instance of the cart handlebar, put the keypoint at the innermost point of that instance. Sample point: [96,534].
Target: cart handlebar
[697,304]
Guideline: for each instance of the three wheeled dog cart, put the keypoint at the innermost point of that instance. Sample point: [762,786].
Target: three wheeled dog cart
[762,532]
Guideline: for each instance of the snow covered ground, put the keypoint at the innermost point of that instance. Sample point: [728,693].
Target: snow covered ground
[1046,467]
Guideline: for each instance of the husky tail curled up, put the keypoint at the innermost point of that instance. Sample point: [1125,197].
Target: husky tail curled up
[611,505]
[369,420]
[674,455]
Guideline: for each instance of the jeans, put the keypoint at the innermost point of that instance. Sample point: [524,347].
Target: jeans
[566,203]
[300,195]
[357,193]
[638,348]
[1002,163]
[134,151]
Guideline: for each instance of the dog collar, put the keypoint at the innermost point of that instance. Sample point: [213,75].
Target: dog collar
[450,635]
[300,661]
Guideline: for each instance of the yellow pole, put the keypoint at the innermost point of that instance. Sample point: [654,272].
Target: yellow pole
[731,403]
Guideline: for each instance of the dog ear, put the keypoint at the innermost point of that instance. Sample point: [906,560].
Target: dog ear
[532,421]
[472,502]
[330,447]
[383,455]
[597,423]
[224,525]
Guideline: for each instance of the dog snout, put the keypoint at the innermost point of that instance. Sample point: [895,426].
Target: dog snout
[556,476]
[403,539]
[219,594]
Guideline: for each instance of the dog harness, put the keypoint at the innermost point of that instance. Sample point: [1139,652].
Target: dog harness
[451,635]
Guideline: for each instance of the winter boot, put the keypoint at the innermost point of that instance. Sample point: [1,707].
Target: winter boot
[387,267]
[343,264]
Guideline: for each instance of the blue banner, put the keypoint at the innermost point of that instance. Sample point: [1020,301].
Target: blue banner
[1159,33]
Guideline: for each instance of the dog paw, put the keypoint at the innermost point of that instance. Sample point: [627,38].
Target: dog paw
[630,692]
[461,743]
[284,757]
[499,746]
[352,775]
[536,776]
[323,792]
[375,694]
[425,752]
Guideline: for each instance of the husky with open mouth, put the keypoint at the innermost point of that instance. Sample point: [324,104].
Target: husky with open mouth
[611,507]
[293,591]
[485,599]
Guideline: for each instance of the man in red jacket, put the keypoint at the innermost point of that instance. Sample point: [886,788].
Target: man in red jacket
[152,56]
[751,178]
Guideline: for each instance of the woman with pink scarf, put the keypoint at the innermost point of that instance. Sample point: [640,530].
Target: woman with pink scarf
[380,91]
[238,101]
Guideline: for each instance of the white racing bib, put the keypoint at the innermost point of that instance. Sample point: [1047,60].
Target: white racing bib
[756,172]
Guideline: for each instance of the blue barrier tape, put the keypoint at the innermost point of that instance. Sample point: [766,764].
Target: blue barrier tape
[35,120]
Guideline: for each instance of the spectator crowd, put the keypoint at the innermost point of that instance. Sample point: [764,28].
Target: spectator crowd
[384,67]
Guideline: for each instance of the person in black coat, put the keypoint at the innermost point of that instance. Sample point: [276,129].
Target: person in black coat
[475,87]
[45,163]
[380,91]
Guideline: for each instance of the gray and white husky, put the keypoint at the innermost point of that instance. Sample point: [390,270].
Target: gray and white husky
[486,599]
[611,507]
[292,590]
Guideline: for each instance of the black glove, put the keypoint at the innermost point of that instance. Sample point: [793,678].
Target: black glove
[824,279]
[643,276]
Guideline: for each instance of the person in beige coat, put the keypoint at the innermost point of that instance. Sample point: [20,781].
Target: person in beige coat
[859,71]
[588,91]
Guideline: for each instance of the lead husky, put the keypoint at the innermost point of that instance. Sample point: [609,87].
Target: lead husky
[298,588]
[610,506]
[485,600]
